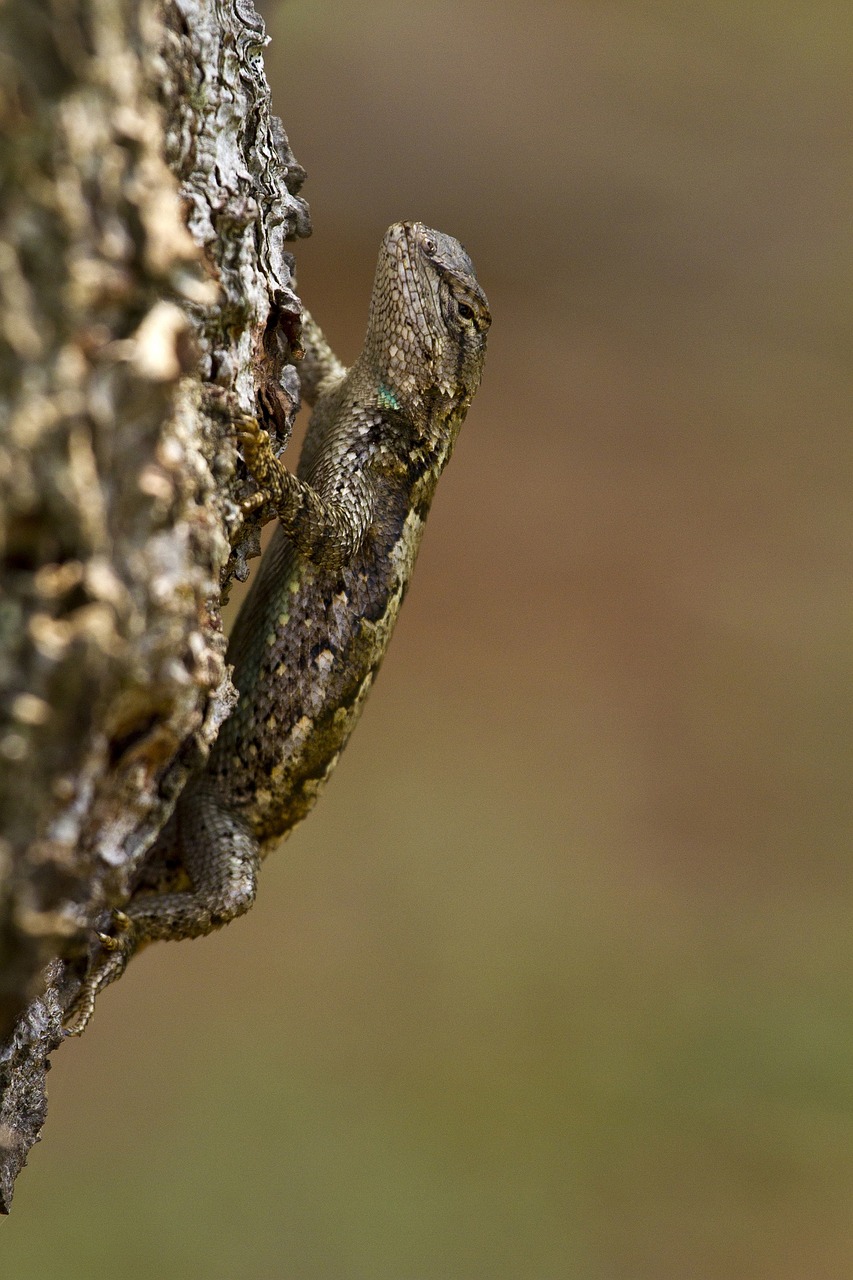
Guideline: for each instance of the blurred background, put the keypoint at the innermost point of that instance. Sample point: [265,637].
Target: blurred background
[562,961]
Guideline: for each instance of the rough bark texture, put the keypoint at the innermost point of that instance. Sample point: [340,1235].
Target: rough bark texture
[146,194]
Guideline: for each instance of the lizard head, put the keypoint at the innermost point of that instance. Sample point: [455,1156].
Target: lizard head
[428,323]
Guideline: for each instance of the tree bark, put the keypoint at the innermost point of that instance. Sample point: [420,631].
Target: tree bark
[146,194]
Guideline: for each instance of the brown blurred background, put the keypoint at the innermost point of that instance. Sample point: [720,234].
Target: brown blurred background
[563,960]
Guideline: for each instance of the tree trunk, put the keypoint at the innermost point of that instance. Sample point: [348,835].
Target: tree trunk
[146,194]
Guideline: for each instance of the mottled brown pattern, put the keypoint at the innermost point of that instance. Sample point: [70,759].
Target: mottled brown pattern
[317,622]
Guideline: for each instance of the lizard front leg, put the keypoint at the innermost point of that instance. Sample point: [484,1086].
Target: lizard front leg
[328,531]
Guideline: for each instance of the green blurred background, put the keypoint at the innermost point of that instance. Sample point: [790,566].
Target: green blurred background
[562,965]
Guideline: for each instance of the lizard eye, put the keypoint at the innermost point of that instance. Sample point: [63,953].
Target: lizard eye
[465,312]
[429,245]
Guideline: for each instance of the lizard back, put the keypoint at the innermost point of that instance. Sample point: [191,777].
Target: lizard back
[310,636]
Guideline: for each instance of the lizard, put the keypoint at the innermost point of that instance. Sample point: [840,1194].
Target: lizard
[318,617]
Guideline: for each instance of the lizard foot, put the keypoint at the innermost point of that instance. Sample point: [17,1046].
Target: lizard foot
[253,503]
[108,963]
[260,462]
[257,450]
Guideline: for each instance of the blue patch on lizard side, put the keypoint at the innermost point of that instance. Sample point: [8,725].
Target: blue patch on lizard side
[387,398]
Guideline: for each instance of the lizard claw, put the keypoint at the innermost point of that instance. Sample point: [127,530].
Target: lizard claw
[252,439]
[121,922]
[253,503]
[247,428]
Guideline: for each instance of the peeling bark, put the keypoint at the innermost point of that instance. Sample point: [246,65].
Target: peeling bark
[146,194]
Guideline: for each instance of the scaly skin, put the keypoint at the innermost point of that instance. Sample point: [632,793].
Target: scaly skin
[317,621]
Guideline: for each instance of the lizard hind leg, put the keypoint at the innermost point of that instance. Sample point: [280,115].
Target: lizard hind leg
[220,857]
